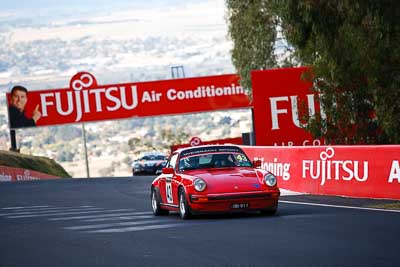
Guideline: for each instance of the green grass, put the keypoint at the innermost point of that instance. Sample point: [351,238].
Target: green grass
[388,206]
[40,164]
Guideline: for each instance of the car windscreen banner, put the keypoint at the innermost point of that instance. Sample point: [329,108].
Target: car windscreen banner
[210,149]
[86,101]
[195,141]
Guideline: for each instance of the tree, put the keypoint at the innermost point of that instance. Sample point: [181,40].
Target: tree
[252,29]
[352,48]
[63,155]
[167,136]
[173,136]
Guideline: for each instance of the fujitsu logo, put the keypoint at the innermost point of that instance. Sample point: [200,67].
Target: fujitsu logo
[88,97]
[275,111]
[26,176]
[327,168]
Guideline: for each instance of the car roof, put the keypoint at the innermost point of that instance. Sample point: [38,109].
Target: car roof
[152,154]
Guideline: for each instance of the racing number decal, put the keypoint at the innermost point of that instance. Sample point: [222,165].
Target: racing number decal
[168,179]
[169,192]
[241,158]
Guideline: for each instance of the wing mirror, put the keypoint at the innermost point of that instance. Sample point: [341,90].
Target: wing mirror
[257,163]
[168,171]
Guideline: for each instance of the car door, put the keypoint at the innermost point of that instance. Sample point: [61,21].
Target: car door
[165,184]
[175,182]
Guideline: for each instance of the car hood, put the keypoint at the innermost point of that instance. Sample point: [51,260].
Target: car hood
[229,180]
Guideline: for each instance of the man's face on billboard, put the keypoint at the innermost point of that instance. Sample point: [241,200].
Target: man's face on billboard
[18,99]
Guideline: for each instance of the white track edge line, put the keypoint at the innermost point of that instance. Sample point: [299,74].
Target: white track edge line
[337,206]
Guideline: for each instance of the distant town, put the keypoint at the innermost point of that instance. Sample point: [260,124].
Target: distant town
[118,45]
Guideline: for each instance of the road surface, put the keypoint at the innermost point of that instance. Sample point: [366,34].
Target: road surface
[108,222]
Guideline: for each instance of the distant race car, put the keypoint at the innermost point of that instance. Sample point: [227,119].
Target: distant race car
[217,178]
[149,164]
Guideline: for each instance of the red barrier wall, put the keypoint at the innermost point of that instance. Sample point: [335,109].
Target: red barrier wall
[8,174]
[353,171]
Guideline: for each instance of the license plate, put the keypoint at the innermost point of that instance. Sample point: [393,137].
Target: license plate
[240,206]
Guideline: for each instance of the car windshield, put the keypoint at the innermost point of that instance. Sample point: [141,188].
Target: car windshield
[153,157]
[214,160]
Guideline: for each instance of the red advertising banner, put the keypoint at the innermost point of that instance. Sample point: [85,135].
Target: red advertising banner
[86,101]
[353,171]
[9,174]
[280,98]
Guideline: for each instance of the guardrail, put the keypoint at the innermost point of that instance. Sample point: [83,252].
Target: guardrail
[353,171]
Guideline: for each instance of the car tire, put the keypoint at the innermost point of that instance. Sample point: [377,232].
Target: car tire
[270,211]
[184,209]
[155,204]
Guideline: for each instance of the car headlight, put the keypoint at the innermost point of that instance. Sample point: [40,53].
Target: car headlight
[199,184]
[270,179]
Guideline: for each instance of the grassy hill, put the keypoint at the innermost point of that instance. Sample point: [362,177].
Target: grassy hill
[40,164]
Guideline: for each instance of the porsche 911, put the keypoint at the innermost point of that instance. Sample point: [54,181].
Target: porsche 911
[215,178]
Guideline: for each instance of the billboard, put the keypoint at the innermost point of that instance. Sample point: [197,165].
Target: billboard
[87,101]
[280,98]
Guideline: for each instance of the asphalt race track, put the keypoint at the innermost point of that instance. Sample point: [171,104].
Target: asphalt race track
[108,222]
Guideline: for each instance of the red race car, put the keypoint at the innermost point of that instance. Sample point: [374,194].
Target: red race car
[216,178]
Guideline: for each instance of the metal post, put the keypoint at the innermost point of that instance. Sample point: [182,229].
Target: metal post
[13,141]
[86,154]
[253,132]
[183,72]
[177,72]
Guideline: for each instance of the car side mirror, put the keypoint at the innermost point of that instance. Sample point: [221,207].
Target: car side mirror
[168,171]
[257,163]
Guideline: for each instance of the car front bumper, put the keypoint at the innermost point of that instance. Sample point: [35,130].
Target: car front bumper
[234,201]
[144,169]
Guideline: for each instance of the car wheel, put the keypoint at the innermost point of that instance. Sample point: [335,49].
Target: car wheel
[184,210]
[155,204]
[270,211]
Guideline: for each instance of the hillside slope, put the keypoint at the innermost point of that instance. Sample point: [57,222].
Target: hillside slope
[40,164]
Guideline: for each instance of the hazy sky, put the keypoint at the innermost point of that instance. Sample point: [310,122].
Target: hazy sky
[24,4]
[105,35]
